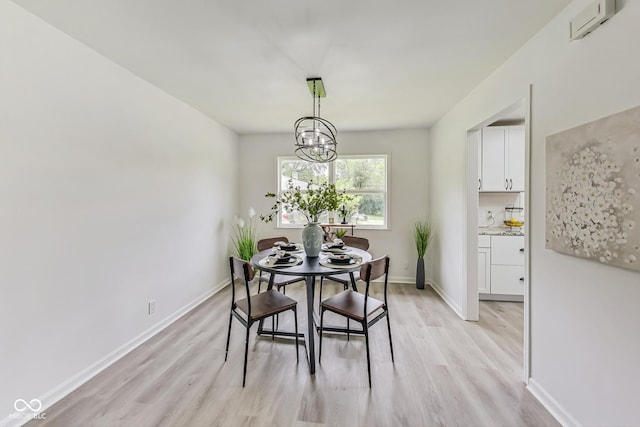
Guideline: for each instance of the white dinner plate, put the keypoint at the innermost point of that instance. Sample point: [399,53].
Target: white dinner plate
[269,262]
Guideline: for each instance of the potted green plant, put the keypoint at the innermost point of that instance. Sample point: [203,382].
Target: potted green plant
[311,203]
[422,233]
[244,237]
[341,232]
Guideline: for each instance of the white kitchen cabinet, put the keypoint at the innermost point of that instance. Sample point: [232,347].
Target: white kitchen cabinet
[507,250]
[507,265]
[514,165]
[507,279]
[502,161]
[484,270]
[484,264]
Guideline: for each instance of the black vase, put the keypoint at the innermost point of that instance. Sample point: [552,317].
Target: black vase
[420,274]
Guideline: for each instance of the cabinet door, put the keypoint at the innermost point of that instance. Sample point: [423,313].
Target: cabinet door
[515,158]
[507,279]
[493,158]
[507,250]
[484,270]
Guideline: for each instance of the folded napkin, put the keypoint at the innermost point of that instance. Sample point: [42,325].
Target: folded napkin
[280,257]
[341,259]
[337,244]
[288,246]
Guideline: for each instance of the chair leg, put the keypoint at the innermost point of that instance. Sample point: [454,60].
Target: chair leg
[295,320]
[226,351]
[353,282]
[320,346]
[390,342]
[273,332]
[348,328]
[246,355]
[366,340]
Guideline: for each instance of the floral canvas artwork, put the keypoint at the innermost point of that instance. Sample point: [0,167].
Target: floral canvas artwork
[593,190]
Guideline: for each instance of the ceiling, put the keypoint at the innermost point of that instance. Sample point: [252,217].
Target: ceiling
[385,64]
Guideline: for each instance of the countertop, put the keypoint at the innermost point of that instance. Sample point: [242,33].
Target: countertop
[500,231]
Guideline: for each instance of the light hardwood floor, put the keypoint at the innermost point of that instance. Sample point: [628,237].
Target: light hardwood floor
[447,372]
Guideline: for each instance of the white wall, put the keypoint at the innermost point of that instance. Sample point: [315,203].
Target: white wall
[408,162]
[112,193]
[584,316]
[496,203]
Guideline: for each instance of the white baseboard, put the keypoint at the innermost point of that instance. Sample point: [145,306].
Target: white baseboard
[559,413]
[446,299]
[57,393]
[401,279]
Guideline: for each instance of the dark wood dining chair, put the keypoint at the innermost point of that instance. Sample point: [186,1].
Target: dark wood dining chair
[362,308]
[254,308]
[280,281]
[346,279]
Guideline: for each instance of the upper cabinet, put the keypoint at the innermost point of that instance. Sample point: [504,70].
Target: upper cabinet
[502,159]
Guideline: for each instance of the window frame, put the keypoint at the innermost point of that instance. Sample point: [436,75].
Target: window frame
[332,171]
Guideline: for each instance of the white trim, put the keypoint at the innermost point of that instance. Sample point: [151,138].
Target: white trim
[66,387]
[401,280]
[450,302]
[559,413]
[470,300]
[526,353]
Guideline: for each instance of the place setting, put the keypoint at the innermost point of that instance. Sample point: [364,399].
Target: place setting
[341,261]
[280,258]
[288,247]
[335,247]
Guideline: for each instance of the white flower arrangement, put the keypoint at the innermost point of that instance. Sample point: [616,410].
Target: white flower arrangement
[592,207]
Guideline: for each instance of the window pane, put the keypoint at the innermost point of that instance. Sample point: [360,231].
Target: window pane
[296,218]
[363,177]
[301,173]
[367,209]
[361,174]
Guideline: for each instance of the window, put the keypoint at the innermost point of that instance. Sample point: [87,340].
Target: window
[364,177]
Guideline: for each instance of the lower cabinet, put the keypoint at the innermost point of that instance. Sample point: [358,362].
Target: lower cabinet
[507,279]
[501,265]
[484,264]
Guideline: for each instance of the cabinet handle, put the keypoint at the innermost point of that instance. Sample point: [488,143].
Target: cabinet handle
[510,184]
[522,279]
[522,250]
[479,184]
[506,184]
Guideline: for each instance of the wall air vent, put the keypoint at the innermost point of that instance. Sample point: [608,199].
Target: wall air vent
[591,17]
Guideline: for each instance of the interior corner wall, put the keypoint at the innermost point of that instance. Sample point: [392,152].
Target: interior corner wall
[408,160]
[112,193]
[584,315]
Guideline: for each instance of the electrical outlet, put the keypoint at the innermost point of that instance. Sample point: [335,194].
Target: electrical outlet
[405,265]
[152,306]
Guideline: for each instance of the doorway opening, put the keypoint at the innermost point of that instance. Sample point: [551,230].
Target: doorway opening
[497,212]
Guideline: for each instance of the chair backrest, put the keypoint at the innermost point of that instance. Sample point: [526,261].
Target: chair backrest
[356,242]
[240,269]
[373,270]
[268,243]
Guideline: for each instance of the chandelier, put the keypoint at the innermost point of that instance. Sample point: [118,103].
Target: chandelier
[315,136]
